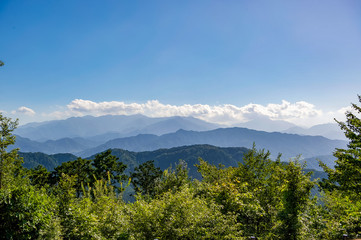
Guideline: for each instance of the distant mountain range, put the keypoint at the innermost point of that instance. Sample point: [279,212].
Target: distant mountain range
[290,145]
[104,128]
[85,136]
[328,130]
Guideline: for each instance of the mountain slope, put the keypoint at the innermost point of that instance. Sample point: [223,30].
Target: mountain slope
[31,160]
[290,145]
[312,162]
[163,158]
[64,145]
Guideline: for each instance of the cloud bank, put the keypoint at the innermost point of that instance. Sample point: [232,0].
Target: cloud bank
[24,110]
[299,113]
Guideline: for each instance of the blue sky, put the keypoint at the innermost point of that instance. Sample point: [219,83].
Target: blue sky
[71,58]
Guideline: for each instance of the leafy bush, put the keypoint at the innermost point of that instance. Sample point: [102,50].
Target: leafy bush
[180,215]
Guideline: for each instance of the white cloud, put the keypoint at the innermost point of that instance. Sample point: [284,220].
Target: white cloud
[283,111]
[345,109]
[300,113]
[24,110]
[340,114]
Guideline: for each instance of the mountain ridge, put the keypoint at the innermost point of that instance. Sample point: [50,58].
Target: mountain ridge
[123,125]
[290,145]
[328,130]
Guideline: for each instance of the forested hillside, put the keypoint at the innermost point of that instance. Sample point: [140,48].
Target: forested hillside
[32,160]
[164,158]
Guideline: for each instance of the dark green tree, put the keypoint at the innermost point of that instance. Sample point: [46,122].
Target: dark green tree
[346,176]
[144,178]
[1,63]
[86,172]
[173,179]
[80,168]
[39,176]
[107,166]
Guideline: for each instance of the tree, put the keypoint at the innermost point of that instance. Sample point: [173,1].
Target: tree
[85,172]
[342,189]
[1,63]
[144,178]
[173,179]
[39,176]
[296,197]
[253,191]
[10,162]
[346,176]
[180,215]
[264,181]
[26,212]
[107,166]
[80,168]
